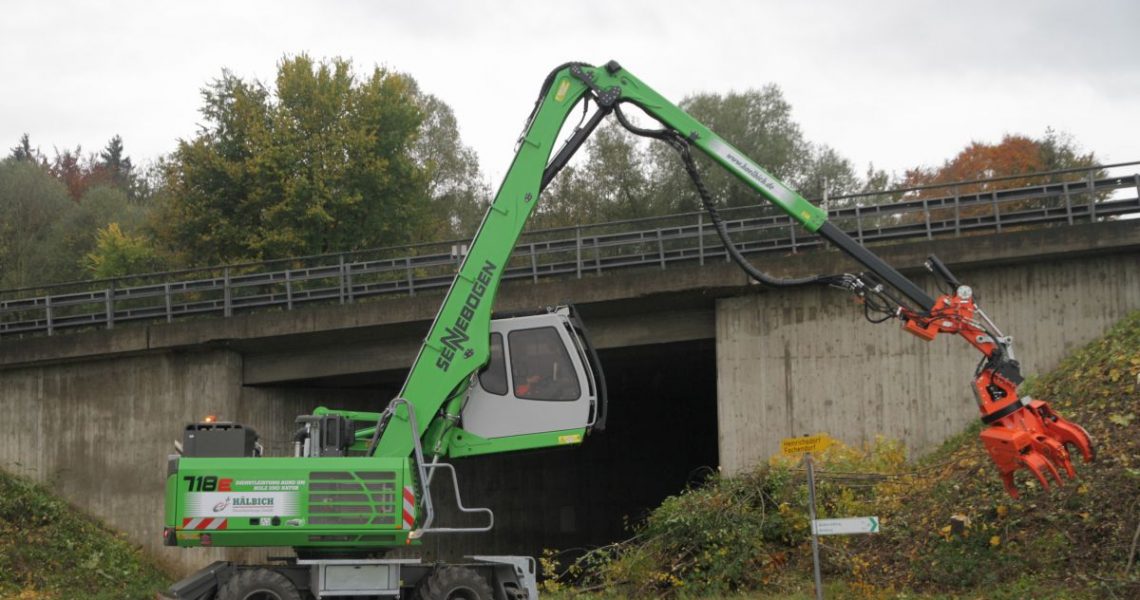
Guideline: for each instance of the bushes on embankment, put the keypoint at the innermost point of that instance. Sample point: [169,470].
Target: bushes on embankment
[947,525]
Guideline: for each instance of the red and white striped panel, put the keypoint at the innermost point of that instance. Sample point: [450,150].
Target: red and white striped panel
[409,507]
[204,523]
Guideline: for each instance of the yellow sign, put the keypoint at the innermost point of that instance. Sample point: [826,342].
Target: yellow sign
[570,439]
[808,443]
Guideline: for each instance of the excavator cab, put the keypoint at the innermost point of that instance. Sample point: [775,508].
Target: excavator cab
[543,377]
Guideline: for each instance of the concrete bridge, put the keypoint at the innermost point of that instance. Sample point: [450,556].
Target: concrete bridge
[705,370]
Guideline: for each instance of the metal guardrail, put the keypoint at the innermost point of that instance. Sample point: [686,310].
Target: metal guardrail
[689,238]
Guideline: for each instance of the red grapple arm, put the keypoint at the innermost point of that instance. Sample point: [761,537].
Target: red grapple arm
[1021,432]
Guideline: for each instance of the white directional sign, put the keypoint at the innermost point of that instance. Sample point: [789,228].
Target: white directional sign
[845,526]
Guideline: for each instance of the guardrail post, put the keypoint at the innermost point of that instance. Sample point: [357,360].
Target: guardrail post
[578,250]
[348,282]
[858,224]
[411,277]
[288,289]
[701,238]
[597,257]
[926,218]
[340,278]
[727,256]
[1068,201]
[109,304]
[227,299]
[167,301]
[661,249]
[1092,198]
[533,264]
[957,212]
[997,213]
[792,228]
[48,315]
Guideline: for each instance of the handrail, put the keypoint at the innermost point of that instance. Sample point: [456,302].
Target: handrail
[407,248]
[569,251]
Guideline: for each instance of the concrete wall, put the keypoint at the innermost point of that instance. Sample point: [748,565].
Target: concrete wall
[98,432]
[805,361]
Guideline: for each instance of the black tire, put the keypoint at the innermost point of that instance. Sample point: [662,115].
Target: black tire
[258,584]
[454,583]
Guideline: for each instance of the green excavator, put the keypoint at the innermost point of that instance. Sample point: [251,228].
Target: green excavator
[357,484]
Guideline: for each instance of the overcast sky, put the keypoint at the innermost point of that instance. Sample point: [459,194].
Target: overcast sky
[898,84]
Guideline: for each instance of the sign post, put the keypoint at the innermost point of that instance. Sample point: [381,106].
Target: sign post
[814,535]
[806,445]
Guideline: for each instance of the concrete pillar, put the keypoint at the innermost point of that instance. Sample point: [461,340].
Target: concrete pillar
[805,361]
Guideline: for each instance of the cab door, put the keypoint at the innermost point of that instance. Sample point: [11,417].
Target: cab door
[536,381]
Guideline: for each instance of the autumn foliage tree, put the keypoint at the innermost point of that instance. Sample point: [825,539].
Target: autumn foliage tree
[1014,155]
[1017,161]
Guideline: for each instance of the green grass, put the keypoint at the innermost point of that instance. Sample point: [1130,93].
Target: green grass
[51,551]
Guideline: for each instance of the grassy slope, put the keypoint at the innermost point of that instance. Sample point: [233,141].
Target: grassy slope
[1076,537]
[747,535]
[48,550]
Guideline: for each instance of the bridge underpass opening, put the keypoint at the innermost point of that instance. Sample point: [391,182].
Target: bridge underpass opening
[661,435]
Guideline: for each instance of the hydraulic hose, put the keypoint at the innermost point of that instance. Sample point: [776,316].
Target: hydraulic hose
[681,145]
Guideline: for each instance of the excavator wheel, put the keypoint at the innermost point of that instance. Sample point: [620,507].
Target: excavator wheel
[454,583]
[258,584]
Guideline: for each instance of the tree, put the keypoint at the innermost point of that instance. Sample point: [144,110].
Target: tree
[322,162]
[77,232]
[624,177]
[50,212]
[829,171]
[31,202]
[68,168]
[80,173]
[116,164]
[612,183]
[24,151]
[759,123]
[117,254]
[1059,151]
[876,180]
[1014,155]
[44,234]
[457,192]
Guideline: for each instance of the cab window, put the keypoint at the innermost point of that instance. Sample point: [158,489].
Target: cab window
[493,377]
[540,366]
